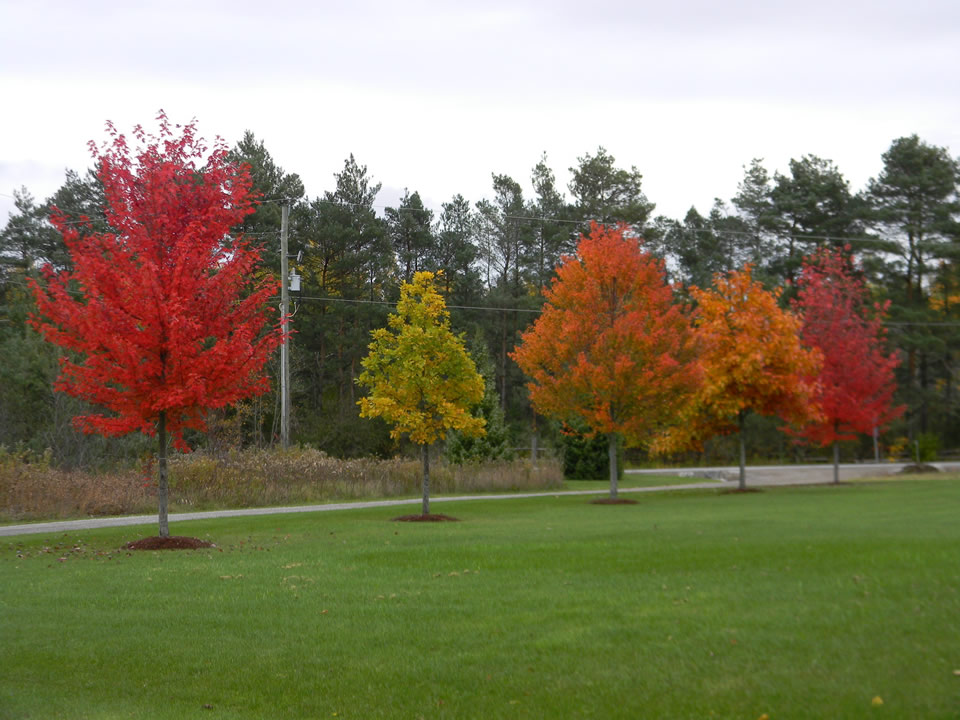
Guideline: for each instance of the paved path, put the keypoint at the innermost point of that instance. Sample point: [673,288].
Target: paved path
[793,474]
[758,475]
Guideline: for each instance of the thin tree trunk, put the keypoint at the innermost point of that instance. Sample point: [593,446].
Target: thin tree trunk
[425,452]
[836,463]
[743,452]
[503,360]
[534,447]
[612,453]
[924,405]
[162,475]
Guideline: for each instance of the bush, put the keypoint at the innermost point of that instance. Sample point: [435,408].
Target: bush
[928,446]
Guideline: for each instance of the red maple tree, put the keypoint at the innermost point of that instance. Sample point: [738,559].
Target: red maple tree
[162,316]
[856,380]
[611,347]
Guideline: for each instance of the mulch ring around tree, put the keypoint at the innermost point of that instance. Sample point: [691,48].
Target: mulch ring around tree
[173,542]
[430,517]
[613,501]
[918,469]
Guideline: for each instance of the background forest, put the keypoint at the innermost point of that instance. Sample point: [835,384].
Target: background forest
[497,255]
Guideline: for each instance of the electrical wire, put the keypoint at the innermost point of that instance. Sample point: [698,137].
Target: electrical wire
[487,308]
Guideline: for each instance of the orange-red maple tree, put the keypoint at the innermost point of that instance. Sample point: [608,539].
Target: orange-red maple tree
[611,347]
[163,316]
[753,361]
[856,382]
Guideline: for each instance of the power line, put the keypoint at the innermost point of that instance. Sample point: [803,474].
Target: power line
[393,304]
[490,308]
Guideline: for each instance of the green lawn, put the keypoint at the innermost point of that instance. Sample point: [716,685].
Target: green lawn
[795,602]
[635,481]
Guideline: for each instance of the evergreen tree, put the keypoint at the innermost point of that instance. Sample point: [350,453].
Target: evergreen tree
[410,232]
[349,263]
[552,236]
[606,194]
[455,253]
[274,188]
[494,444]
[755,206]
[812,207]
[700,247]
[914,205]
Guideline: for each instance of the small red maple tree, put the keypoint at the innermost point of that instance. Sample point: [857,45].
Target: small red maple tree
[856,381]
[753,361]
[611,347]
[162,315]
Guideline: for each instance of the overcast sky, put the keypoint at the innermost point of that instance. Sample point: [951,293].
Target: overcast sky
[436,96]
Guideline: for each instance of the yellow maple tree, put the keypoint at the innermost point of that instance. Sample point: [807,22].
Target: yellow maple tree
[420,376]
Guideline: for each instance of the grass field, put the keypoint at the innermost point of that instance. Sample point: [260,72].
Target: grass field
[795,603]
[635,481]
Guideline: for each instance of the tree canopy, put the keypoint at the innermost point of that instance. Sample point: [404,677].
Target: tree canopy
[161,317]
[420,377]
[752,359]
[611,347]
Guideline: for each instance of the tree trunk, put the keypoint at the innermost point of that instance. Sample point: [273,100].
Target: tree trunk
[162,475]
[924,384]
[836,463]
[503,360]
[743,451]
[425,452]
[612,453]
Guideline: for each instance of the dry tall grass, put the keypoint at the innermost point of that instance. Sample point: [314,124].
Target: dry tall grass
[33,490]
[30,489]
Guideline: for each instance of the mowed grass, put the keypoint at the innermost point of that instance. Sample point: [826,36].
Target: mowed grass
[795,603]
[636,481]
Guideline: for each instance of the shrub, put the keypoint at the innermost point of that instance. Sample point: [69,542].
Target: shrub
[928,446]
[587,458]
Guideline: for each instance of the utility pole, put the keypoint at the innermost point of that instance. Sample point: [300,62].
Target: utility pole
[285,347]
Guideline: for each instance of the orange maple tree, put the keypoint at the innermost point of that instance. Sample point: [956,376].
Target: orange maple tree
[753,361]
[163,315]
[611,347]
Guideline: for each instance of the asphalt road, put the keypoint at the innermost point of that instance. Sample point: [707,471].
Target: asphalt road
[757,475]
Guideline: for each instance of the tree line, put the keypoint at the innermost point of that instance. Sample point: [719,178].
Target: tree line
[497,257]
